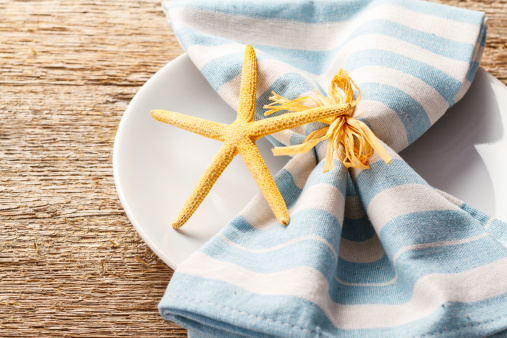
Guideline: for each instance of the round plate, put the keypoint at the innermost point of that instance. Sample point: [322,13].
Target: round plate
[156,166]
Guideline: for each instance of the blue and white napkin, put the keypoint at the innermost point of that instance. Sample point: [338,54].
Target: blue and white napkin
[374,252]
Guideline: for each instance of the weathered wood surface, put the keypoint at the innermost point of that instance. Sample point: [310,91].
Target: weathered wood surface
[70,261]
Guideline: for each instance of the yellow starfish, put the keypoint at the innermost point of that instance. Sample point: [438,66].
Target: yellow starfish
[240,137]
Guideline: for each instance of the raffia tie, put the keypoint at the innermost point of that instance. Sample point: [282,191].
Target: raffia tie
[352,139]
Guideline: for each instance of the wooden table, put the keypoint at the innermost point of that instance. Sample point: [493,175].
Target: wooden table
[70,261]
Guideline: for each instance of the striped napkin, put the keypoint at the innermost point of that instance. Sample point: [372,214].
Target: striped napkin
[374,252]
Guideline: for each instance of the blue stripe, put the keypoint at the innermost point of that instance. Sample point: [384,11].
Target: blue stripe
[457,258]
[318,11]
[311,127]
[383,176]
[482,35]
[420,228]
[428,227]
[445,47]
[357,230]
[296,138]
[351,187]
[321,11]
[287,187]
[223,69]
[471,72]
[334,177]
[307,253]
[411,113]
[444,84]
[303,223]
[379,271]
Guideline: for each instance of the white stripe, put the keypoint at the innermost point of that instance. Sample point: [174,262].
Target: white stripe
[437,245]
[253,30]
[300,167]
[455,68]
[293,34]
[280,246]
[367,251]
[488,224]
[466,84]
[479,52]
[405,199]
[429,292]
[322,149]
[457,202]
[414,247]
[258,213]
[325,197]
[229,91]
[354,172]
[202,55]
[462,91]
[385,122]
[431,100]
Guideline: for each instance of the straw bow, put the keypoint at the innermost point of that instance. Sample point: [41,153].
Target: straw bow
[352,139]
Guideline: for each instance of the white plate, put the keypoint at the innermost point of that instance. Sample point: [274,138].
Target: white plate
[156,166]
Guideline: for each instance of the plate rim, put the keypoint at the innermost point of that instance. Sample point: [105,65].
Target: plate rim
[116,174]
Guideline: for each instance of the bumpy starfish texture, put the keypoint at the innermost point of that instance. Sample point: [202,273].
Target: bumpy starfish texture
[240,137]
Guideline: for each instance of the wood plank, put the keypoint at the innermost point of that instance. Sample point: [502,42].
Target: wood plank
[70,261]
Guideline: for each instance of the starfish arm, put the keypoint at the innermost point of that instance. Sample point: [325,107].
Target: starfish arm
[206,182]
[290,120]
[248,91]
[253,160]
[196,125]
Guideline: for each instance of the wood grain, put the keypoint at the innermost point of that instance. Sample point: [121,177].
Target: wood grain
[70,262]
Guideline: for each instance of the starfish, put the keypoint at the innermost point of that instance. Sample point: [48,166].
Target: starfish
[240,137]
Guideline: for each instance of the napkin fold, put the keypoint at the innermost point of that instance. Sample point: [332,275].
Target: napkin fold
[374,252]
